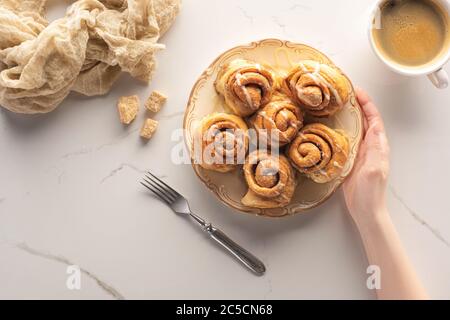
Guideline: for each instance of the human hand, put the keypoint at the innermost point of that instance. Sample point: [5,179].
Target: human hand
[365,188]
[365,192]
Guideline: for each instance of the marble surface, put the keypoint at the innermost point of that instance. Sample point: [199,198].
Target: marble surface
[69,192]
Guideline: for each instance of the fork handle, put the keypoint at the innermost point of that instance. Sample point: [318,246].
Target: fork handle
[248,259]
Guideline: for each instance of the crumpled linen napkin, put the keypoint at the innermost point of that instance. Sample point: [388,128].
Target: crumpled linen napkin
[85,51]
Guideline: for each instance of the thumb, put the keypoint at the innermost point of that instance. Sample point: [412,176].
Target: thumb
[370,110]
[375,138]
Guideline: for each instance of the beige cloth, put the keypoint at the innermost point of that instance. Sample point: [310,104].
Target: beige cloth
[85,51]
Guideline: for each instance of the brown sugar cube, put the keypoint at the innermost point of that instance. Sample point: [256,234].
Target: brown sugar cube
[149,128]
[128,108]
[155,102]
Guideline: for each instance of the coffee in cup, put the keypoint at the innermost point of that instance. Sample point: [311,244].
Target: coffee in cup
[413,36]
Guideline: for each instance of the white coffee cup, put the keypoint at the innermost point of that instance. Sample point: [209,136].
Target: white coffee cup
[434,71]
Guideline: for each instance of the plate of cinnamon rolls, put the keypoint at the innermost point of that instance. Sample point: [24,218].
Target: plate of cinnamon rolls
[273,128]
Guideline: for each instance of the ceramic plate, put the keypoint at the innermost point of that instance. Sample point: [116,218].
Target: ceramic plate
[231,187]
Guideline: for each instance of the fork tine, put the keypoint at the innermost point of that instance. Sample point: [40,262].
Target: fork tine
[157,192]
[154,192]
[174,193]
[161,188]
[149,188]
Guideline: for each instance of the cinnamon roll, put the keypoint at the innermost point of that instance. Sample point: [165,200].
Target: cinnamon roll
[246,86]
[279,122]
[221,142]
[319,88]
[319,152]
[271,181]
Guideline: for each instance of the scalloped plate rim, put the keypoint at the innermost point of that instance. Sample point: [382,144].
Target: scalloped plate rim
[255,211]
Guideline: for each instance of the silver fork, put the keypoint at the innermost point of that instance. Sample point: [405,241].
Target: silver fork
[180,206]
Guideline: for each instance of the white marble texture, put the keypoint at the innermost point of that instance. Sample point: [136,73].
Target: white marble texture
[69,191]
